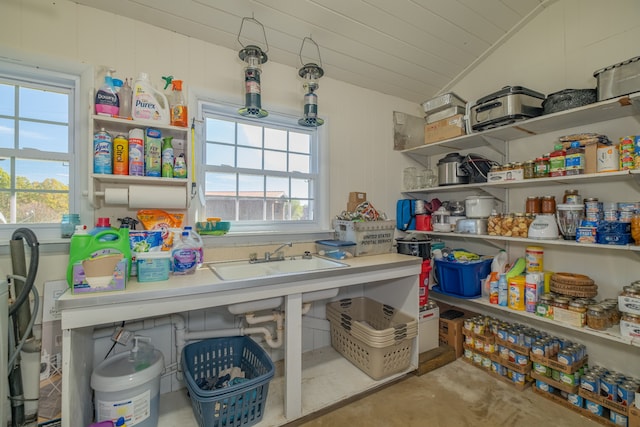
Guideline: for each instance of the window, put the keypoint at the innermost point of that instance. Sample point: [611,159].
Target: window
[36,146]
[261,174]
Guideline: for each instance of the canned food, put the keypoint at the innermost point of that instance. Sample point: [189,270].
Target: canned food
[542,369]
[468,354]
[618,418]
[538,348]
[534,259]
[590,382]
[565,357]
[627,392]
[504,352]
[521,359]
[489,347]
[575,399]
[486,362]
[512,356]
[479,345]
[518,378]
[541,385]
[609,387]
[569,378]
[555,374]
[593,407]
[495,367]
[477,358]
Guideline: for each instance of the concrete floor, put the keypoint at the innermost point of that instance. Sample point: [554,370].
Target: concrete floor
[456,394]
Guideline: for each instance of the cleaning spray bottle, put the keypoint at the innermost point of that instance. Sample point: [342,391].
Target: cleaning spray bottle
[149,104]
[107,102]
[167,157]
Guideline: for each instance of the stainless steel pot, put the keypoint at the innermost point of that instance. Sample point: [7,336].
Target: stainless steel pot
[450,171]
[414,245]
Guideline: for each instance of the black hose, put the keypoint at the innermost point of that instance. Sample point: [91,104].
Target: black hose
[31,239]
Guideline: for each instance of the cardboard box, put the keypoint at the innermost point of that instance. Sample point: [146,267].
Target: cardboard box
[444,129]
[355,198]
[634,416]
[506,176]
[450,330]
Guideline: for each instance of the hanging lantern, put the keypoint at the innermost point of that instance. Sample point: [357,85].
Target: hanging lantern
[311,73]
[254,56]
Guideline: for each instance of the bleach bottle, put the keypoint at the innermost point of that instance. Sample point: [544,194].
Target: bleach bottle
[184,255]
[197,242]
[149,104]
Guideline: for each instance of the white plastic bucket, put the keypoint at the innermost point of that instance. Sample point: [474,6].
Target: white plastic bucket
[123,389]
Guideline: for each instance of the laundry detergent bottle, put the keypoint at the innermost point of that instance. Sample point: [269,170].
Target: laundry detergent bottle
[149,104]
[106,101]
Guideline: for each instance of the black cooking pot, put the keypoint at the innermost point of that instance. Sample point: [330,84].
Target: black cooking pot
[567,99]
[415,245]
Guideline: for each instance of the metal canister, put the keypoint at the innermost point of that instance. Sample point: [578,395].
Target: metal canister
[538,348]
[609,387]
[575,399]
[627,392]
[120,155]
[102,152]
[590,382]
[565,357]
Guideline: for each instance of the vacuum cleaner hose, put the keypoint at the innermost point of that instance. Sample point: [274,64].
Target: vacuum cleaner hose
[31,239]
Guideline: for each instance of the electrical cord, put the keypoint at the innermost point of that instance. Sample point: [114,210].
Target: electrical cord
[114,344]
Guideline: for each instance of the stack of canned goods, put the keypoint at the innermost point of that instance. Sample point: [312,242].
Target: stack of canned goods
[611,385]
[628,305]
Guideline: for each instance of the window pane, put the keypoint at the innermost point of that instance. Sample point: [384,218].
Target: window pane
[251,210]
[275,139]
[278,210]
[299,142]
[7,100]
[44,105]
[40,207]
[300,188]
[7,132]
[42,175]
[44,137]
[221,207]
[300,163]
[279,185]
[5,172]
[221,131]
[249,158]
[251,186]
[249,135]
[275,160]
[220,183]
[300,210]
[221,155]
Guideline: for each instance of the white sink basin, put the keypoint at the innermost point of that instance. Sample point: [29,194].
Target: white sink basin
[238,270]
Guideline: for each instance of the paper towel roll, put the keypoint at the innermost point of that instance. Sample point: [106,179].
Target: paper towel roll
[116,196]
[157,196]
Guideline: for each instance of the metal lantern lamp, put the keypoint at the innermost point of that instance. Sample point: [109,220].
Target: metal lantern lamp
[254,56]
[311,73]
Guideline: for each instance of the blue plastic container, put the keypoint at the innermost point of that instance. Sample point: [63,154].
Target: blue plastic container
[242,404]
[462,279]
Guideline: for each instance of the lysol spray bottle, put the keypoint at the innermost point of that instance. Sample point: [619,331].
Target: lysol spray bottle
[167,157]
[102,152]
[136,152]
[152,152]
[120,155]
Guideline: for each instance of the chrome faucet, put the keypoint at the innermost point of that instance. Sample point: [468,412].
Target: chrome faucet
[268,256]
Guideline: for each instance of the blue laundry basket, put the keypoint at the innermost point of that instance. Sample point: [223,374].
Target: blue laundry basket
[242,404]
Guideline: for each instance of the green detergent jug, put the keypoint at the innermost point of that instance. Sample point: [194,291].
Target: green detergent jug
[88,247]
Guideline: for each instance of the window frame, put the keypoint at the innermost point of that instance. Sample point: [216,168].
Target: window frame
[215,108]
[69,78]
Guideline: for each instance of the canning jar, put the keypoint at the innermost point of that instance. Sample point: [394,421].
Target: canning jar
[632,318]
[529,169]
[533,205]
[561,302]
[581,308]
[541,167]
[520,228]
[572,197]
[506,224]
[611,307]
[548,205]
[494,224]
[597,317]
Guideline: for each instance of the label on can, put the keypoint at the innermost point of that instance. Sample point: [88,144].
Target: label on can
[120,155]
[136,152]
[608,158]
[102,152]
[534,259]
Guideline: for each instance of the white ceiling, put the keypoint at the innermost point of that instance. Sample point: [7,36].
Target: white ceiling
[412,49]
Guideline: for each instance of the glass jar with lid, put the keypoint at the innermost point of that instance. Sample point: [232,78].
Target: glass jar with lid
[597,317]
[519,227]
[561,302]
[541,167]
[494,224]
[529,168]
[548,205]
[632,318]
[68,225]
[506,224]
[580,307]
[572,197]
[533,205]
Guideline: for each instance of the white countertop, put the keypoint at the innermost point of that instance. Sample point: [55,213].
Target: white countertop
[205,289]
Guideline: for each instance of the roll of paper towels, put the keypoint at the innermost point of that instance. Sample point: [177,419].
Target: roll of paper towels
[147,197]
[162,197]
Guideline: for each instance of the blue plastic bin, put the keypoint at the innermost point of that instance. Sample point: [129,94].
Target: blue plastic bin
[242,404]
[462,279]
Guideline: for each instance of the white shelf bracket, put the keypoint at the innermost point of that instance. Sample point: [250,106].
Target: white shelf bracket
[496,192]
[497,145]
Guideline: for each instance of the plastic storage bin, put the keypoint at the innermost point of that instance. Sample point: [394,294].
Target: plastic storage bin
[374,342]
[337,249]
[463,279]
[242,404]
[371,237]
[153,266]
